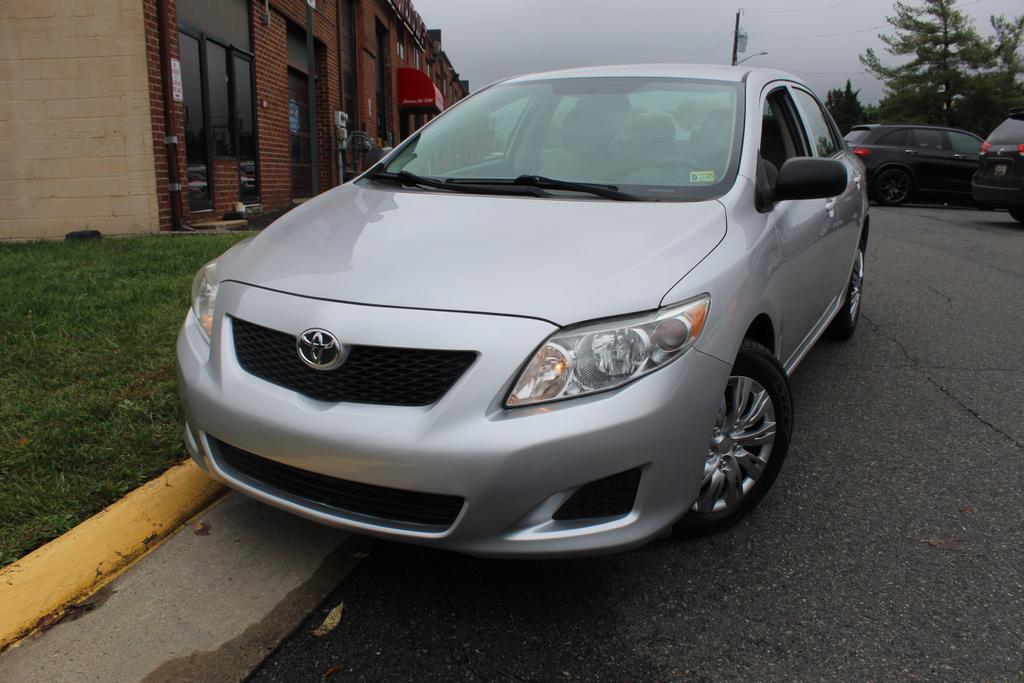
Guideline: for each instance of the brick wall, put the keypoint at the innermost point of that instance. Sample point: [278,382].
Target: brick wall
[270,71]
[75,124]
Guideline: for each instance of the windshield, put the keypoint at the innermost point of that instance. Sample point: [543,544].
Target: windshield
[1009,132]
[857,135]
[656,138]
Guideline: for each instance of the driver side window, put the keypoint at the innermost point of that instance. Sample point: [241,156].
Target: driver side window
[781,136]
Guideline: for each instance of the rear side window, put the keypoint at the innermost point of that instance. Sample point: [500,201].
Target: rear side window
[925,138]
[1009,132]
[821,132]
[894,138]
[964,143]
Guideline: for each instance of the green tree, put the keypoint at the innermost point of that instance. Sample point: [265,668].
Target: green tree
[990,94]
[945,64]
[845,107]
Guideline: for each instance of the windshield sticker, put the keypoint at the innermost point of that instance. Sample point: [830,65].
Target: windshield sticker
[702,176]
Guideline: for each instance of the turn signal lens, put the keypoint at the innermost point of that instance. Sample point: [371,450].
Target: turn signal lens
[861,151]
[986,146]
[1020,149]
[606,355]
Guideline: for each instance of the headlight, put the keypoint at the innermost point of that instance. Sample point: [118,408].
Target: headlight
[204,296]
[606,355]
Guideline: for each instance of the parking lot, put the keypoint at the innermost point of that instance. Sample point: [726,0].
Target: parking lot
[890,547]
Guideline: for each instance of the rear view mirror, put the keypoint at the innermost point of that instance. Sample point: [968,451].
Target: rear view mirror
[807,178]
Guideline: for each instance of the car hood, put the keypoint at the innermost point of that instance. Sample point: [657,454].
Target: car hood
[564,260]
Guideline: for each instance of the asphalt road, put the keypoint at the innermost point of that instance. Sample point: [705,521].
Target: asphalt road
[891,546]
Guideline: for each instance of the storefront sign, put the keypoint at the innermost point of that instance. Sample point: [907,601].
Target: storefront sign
[176,80]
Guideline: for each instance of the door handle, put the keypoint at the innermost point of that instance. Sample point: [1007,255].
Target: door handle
[830,206]
[959,156]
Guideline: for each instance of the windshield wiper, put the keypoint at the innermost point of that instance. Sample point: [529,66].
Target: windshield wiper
[542,182]
[606,191]
[412,179]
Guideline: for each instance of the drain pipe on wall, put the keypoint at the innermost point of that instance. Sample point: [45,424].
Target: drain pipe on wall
[170,141]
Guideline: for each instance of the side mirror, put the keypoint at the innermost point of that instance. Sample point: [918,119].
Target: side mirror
[807,178]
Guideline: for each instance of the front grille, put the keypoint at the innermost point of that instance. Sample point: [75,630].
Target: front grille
[370,374]
[612,496]
[348,497]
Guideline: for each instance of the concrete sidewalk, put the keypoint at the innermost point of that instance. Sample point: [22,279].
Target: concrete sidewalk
[209,604]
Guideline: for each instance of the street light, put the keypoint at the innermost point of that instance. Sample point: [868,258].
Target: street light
[756,54]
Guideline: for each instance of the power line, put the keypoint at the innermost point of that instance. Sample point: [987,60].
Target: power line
[707,42]
[819,35]
[827,73]
[808,9]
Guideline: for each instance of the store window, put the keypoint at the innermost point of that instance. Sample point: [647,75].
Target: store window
[219,97]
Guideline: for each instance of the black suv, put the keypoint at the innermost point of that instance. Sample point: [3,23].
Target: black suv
[907,161]
[999,182]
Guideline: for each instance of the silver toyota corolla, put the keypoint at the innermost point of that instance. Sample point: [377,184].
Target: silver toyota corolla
[557,320]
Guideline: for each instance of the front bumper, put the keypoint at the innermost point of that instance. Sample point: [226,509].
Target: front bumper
[514,468]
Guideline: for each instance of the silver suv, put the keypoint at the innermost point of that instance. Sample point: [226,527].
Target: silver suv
[557,320]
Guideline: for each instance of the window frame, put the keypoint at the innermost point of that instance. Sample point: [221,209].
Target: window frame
[944,139]
[837,140]
[973,138]
[231,52]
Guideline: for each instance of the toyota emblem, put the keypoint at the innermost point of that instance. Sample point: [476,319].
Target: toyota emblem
[320,350]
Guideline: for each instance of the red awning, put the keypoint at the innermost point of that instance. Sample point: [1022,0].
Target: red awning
[417,92]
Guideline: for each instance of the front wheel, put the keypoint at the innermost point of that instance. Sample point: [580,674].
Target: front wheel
[748,443]
[845,323]
[893,187]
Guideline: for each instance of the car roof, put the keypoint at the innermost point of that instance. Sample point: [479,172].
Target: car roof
[890,126]
[733,74]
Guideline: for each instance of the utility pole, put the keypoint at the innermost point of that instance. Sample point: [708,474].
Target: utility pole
[736,37]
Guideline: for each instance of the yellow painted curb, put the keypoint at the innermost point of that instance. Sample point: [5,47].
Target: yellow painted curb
[81,561]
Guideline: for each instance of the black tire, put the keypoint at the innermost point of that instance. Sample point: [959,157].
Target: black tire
[755,362]
[1018,213]
[893,187]
[845,323]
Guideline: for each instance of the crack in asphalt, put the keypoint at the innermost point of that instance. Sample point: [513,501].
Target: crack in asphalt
[949,299]
[916,364]
[948,368]
[958,254]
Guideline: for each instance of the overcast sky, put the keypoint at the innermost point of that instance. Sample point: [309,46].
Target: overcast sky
[491,39]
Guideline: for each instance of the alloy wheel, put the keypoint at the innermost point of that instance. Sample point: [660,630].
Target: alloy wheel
[741,444]
[856,283]
[894,187]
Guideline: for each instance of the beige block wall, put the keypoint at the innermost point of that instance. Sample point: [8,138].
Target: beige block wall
[76,147]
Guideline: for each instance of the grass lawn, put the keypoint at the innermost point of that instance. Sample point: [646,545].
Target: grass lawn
[88,403]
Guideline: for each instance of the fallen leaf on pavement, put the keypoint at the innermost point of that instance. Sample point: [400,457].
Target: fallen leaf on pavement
[947,544]
[48,621]
[330,622]
[331,671]
[202,529]
[23,441]
[967,508]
